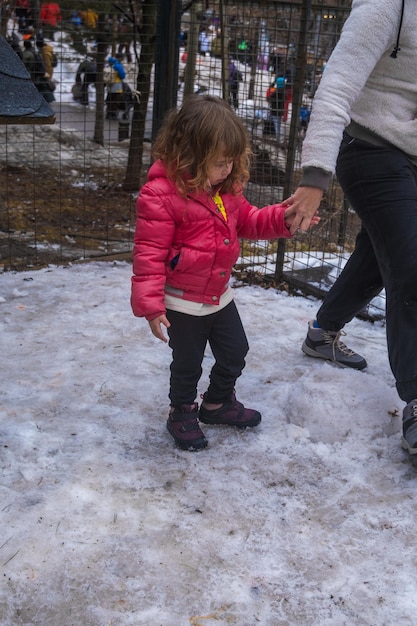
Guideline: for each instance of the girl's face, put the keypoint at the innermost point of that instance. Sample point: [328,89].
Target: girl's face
[219,170]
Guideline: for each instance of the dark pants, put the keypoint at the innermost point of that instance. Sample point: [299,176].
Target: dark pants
[188,337]
[381,185]
[113,101]
[89,79]
[234,96]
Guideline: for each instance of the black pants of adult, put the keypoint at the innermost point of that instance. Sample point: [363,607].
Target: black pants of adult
[113,102]
[380,183]
[89,79]
[188,338]
[234,96]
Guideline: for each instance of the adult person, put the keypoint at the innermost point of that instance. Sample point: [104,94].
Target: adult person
[365,130]
[50,18]
[235,78]
[125,32]
[204,42]
[275,96]
[244,51]
[36,68]
[47,53]
[85,76]
[14,42]
[114,87]
[90,18]
[23,13]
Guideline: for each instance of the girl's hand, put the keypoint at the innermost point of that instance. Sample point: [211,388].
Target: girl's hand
[156,329]
[301,212]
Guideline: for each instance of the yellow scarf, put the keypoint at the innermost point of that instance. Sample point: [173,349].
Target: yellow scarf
[219,202]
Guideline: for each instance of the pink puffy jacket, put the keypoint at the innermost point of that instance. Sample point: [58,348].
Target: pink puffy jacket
[185,243]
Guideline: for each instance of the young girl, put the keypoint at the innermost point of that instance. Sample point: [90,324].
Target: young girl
[190,214]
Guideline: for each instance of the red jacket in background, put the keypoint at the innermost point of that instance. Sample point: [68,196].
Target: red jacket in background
[185,243]
[50,14]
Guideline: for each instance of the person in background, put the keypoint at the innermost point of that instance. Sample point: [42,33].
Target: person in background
[204,42]
[23,13]
[50,18]
[305,114]
[114,87]
[244,51]
[288,91]
[275,97]
[86,75]
[183,38]
[36,68]
[76,19]
[124,38]
[14,42]
[47,53]
[235,78]
[276,61]
[365,130]
[190,215]
[90,18]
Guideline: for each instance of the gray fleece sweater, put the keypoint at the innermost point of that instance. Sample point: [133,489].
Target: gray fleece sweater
[362,83]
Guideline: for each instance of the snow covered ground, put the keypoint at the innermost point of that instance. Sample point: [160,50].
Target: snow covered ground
[307,520]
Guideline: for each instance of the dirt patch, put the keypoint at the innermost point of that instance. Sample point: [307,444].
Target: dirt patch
[48,216]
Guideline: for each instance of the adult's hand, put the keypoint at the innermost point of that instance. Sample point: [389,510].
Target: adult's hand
[304,204]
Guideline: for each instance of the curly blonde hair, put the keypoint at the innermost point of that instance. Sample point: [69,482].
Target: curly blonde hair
[192,138]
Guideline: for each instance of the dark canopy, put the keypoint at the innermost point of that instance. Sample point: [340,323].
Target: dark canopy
[20,101]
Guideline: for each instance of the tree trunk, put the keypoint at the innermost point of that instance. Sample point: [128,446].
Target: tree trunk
[143,87]
[192,48]
[103,39]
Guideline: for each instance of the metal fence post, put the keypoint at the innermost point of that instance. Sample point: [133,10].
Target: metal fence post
[295,123]
[166,60]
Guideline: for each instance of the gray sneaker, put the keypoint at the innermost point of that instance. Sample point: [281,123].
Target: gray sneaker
[409,440]
[326,344]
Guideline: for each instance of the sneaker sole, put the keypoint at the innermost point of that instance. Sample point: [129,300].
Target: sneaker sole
[316,355]
[406,446]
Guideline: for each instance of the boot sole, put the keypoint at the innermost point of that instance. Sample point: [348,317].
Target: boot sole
[217,422]
[199,444]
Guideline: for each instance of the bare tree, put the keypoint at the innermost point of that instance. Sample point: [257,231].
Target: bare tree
[147,32]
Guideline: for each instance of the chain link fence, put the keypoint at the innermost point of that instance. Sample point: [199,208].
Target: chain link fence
[68,189]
